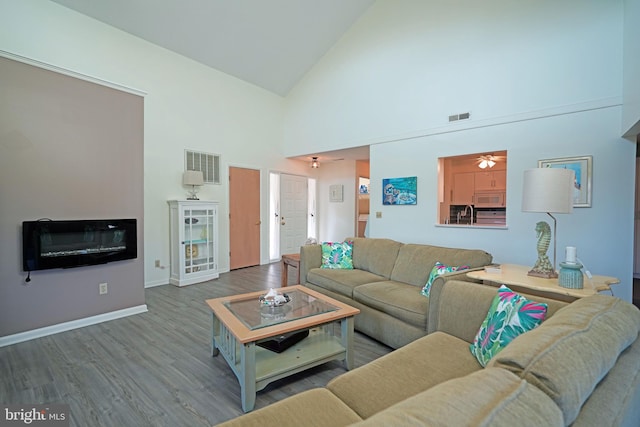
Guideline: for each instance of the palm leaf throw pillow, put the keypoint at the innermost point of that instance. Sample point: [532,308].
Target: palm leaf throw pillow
[337,255]
[436,271]
[510,315]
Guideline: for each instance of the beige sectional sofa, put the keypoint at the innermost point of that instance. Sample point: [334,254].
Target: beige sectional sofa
[580,367]
[385,283]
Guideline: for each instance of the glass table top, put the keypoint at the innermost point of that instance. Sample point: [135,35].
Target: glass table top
[254,314]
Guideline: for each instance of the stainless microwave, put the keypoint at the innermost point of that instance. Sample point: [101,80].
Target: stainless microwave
[489,200]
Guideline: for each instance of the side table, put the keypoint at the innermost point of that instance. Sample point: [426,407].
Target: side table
[292,260]
[516,276]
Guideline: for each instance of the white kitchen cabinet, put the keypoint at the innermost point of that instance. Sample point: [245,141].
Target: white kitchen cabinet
[463,188]
[491,181]
[194,241]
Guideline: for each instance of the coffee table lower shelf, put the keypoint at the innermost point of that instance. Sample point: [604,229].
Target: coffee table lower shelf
[256,367]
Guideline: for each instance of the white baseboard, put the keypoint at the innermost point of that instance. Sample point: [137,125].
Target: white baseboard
[73,324]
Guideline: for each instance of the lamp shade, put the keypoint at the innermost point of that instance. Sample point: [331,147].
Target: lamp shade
[548,190]
[193,178]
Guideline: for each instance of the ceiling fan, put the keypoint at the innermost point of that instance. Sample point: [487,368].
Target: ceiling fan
[488,160]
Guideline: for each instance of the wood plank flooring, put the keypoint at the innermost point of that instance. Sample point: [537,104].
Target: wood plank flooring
[155,368]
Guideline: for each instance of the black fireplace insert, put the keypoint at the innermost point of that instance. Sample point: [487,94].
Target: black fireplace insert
[48,244]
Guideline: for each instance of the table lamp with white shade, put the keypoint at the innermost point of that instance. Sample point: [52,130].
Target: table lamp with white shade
[547,190]
[194,179]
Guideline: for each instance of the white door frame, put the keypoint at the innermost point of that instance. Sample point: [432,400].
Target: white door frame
[275,201]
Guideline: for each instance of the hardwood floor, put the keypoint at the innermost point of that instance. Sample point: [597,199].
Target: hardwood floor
[155,368]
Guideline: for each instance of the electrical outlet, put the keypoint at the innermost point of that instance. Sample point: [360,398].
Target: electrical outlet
[378,214]
[103,287]
[157,263]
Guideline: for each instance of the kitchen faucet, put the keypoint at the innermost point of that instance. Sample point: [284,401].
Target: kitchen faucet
[464,213]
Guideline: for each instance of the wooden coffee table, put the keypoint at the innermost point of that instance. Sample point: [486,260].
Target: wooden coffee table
[240,322]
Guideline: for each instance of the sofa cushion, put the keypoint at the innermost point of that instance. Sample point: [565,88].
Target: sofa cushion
[489,397]
[318,406]
[399,300]
[414,262]
[337,255]
[569,354]
[458,307]
[409,370]
[510,315]
[615,400]
[341,281]
[377,256]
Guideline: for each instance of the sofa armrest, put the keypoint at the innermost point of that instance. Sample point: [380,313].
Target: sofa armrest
[310,257]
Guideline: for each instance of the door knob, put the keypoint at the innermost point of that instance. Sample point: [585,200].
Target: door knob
[259,222]
[282,221]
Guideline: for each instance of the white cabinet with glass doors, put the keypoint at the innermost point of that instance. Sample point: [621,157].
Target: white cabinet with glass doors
[194,241]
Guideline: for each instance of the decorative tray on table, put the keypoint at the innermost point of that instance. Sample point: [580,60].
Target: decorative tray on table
[274,299]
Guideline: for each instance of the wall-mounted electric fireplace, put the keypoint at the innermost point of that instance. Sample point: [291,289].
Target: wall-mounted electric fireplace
[50,244]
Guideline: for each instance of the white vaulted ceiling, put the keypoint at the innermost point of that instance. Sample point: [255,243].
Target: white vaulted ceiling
[270,43]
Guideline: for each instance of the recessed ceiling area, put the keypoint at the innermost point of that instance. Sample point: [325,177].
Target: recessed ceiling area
[269,43]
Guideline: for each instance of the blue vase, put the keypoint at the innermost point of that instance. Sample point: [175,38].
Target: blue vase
[571,275]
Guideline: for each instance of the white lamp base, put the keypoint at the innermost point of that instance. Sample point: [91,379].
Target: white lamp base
[193,194]
[543,267]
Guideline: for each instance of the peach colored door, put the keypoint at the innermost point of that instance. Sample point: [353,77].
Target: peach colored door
[244,217]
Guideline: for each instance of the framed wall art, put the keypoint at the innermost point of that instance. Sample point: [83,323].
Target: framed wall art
[336,193]
[400,191]
[363,185]
[582,168]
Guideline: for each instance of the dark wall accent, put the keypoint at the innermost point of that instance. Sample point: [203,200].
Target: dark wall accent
[69,149]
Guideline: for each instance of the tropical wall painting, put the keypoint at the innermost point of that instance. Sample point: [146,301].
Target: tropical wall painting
[400,191]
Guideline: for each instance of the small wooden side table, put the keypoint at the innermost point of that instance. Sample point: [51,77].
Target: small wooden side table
[516,276]
[292,260]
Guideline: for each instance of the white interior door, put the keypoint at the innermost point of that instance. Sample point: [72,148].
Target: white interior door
[293,213]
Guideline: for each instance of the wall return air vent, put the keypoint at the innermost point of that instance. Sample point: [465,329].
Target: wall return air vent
[461,116]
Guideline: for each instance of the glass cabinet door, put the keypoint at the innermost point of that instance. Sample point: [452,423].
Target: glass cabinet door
[194,252]
[198,240]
